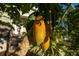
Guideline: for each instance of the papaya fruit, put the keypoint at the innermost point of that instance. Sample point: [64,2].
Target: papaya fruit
[39,30]
[45,45]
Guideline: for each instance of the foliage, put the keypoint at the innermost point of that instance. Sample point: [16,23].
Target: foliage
[61,21]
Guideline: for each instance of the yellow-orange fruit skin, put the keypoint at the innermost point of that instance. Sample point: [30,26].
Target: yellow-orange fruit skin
[39,30]
[45,45]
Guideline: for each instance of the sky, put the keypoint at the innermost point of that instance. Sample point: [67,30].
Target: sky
[73,5]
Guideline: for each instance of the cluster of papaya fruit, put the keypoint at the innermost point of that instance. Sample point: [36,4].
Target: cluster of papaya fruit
[41,37]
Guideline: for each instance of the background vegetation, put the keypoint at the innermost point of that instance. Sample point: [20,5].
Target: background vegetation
[62,20]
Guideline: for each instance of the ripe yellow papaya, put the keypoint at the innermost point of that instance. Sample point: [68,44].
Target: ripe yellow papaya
[39,30]
[45,45]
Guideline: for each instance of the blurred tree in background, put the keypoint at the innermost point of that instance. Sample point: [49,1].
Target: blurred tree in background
[62,24]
